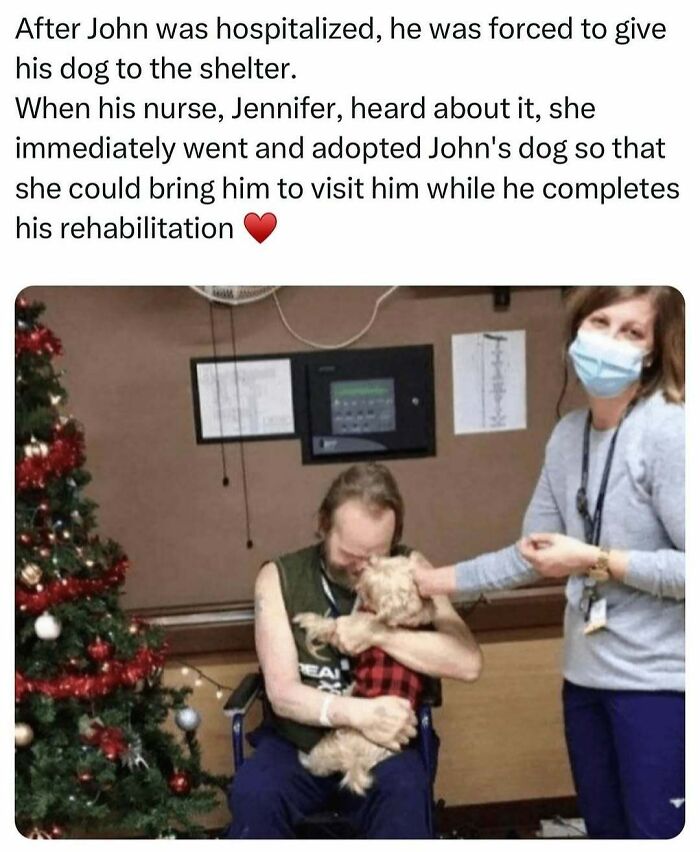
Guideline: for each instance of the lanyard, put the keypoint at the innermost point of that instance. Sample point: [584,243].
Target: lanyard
[592,525]
[328,592]
[335,612]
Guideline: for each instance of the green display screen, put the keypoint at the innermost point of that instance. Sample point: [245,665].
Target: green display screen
[361,406]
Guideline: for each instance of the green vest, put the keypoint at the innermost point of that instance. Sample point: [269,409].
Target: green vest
[300,576]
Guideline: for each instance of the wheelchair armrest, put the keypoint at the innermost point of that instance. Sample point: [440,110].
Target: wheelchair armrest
[244,695]
[432,693]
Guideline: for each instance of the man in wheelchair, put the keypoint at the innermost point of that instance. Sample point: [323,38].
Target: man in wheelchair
[272,793]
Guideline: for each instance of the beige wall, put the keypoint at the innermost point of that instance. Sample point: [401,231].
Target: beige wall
[127,353]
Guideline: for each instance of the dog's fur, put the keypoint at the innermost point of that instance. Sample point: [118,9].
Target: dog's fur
[386,588]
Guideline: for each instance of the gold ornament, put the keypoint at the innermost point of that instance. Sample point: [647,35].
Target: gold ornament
[23,734]
[31,574]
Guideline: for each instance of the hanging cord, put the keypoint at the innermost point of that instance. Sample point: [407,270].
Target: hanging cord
[225,480]
[244,477]
[385,295]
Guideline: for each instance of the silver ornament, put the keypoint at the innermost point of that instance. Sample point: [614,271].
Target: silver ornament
[133,757]
[47,627]
[187,719]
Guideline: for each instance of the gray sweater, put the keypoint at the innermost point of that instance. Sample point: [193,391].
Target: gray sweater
[643,645]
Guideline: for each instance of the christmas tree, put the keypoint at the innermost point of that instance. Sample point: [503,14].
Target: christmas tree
[92,753]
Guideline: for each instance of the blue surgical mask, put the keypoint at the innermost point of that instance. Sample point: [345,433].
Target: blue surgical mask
[605,366]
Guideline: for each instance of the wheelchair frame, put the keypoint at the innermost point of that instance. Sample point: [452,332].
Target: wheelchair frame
[252,687]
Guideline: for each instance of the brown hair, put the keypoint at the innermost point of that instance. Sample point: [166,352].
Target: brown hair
[666,369]
[372,484]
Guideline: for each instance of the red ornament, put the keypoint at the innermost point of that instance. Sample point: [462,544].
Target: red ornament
[131,675]
[112,743]
[110,740]
[180,783]
[100,651]
[40,340]
[110,750]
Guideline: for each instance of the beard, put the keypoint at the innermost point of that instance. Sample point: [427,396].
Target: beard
[338,573]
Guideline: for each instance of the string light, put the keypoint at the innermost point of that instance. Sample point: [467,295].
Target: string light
[201,677]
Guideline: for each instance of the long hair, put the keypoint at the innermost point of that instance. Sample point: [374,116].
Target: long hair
[665,369]
[372,484]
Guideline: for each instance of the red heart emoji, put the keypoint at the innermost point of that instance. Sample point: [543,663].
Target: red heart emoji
[260,227]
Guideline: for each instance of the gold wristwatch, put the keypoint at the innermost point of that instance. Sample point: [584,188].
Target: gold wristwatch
[600,570]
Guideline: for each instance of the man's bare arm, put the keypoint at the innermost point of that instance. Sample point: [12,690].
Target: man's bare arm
[449,651]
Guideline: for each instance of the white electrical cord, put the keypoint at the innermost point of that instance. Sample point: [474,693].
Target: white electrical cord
[385,295]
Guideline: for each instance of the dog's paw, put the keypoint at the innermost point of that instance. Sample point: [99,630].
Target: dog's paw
[310,621]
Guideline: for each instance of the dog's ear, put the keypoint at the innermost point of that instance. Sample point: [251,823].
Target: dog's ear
[417,560]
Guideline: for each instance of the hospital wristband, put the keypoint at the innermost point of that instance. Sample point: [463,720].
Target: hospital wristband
[323,717]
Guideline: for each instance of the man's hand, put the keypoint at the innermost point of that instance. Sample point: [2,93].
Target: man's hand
[557,555]
[388,721]
[357,632]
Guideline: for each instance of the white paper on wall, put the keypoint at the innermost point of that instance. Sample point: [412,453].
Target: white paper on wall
[259,391]
[488,381]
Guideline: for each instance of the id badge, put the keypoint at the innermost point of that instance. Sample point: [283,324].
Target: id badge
[597,616]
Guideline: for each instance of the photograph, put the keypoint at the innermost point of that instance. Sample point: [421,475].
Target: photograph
[381,561]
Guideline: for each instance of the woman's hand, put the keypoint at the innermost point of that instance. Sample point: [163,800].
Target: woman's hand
[432,581]
[557,555]
[357,632]
[423,574]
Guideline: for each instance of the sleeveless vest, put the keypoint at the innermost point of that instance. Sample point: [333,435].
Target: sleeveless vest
[300,575]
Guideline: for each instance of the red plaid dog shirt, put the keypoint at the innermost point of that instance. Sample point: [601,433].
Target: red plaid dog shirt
[376,673]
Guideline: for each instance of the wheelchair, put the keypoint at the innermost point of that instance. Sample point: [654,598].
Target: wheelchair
[331,824]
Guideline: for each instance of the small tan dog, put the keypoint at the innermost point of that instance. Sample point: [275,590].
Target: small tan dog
[386,588]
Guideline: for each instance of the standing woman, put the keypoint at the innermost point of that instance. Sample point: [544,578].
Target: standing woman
[608,514]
